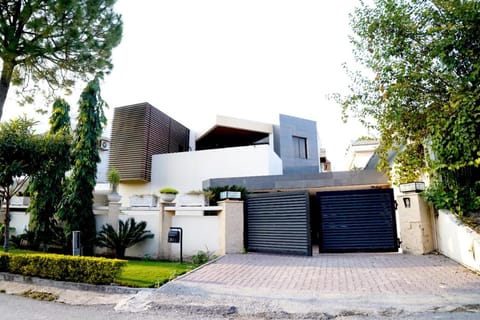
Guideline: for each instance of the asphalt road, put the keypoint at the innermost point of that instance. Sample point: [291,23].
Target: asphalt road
[15,307]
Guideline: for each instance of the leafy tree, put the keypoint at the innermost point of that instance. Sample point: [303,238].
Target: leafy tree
[46,186]
[420,90]
[22,154]
[129,233]
[52,43]
[77,201]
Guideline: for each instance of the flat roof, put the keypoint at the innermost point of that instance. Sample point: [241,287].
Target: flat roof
[233,132]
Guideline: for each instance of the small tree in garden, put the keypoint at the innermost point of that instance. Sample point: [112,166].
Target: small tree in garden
[77,201]
[129,233]
[46,186]
[22,154]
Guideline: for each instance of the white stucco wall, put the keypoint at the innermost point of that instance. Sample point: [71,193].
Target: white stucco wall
[185,171]
[457,241]
[20,221]
[199,233]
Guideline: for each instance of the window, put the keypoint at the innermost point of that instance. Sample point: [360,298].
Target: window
[300,147]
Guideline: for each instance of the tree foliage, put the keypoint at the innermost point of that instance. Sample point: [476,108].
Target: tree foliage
[129,233]
[46,186]
[421,91]
[77,201]
[22,154]
[49,44]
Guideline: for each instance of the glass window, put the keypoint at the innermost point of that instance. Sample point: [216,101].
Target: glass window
[300,147]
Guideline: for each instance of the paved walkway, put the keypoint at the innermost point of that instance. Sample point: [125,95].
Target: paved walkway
[329,283]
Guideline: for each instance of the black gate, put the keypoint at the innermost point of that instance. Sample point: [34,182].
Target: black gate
[357,220]
[279,223]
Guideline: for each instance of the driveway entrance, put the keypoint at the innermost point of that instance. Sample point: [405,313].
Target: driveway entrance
[366,282]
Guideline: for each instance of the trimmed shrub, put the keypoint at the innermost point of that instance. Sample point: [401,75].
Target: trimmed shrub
[67,268]
[4,261]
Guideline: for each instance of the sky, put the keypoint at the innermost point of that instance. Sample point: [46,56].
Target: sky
[250,59]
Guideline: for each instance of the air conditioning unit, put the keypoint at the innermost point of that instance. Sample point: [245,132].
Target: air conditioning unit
[104,144]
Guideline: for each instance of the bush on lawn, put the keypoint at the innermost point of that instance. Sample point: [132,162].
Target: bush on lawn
[66,268]
[4,260]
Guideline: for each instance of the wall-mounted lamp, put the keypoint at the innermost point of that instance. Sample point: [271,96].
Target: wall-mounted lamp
[412,187]
[406,202]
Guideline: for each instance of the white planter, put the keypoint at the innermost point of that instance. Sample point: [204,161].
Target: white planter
[143,201]
[191,200]
[19,201]
[114,197]
[167,197]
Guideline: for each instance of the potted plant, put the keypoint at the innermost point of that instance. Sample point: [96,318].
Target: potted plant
[168,194]
[114,179]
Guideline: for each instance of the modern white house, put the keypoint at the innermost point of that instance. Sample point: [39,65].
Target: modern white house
[152,151]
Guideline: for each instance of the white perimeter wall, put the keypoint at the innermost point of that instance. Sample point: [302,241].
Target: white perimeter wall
[457,241]
[185,171]
[200,233]
[19,220]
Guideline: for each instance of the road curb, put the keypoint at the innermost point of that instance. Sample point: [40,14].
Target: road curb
[112,289]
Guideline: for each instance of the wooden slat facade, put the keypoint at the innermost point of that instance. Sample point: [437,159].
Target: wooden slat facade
[138,132]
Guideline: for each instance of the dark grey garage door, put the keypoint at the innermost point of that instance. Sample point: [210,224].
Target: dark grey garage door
[279,223]
[357,220]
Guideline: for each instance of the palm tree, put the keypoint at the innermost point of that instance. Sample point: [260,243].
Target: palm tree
[129,233]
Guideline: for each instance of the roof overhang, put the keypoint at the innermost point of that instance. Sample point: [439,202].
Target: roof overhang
[233,132]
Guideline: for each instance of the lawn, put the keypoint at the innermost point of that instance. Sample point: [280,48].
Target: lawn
[151,273]
[142,273]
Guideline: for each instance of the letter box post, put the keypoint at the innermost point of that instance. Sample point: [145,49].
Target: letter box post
[175,235]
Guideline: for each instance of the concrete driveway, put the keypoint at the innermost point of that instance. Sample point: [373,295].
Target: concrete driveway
[352,284]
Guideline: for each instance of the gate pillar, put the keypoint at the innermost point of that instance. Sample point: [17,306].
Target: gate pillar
[231,227]
[416,232]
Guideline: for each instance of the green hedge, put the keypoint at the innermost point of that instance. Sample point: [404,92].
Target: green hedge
[4,259]
[64,268]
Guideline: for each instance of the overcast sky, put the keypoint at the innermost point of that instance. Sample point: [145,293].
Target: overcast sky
[251,59]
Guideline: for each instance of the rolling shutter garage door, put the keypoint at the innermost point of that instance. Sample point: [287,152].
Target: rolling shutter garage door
[358,220]
[279,223]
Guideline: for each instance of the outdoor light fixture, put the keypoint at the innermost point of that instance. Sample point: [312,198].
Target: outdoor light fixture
[230,195]
[407,202]
[412,187]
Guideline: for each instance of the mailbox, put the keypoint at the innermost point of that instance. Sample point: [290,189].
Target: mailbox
[174,236]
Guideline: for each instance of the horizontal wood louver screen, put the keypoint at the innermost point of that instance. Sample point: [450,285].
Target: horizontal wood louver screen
[138,132]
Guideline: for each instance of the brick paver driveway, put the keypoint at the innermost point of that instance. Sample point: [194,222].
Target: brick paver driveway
[339,273]
[362,282]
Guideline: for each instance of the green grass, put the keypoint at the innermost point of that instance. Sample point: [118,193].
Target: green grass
[151,273]
[141,273]
[18,251]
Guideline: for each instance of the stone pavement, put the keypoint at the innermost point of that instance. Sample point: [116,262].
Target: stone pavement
[363,283]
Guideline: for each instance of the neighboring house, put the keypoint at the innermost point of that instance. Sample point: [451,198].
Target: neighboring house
[359,153]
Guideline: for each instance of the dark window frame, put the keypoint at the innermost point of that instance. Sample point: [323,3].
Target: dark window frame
[300,147]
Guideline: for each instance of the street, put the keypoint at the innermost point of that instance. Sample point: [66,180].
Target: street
[15,308]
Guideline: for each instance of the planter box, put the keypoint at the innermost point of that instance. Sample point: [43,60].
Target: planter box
[19,201]
[191,200]
[143,201]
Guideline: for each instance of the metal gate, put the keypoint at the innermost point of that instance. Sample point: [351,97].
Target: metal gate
[357,220]
[279,223]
